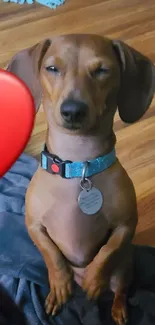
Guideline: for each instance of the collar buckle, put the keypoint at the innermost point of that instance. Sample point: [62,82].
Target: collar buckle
[54,165]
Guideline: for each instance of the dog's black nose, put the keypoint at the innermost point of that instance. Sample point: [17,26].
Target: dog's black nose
[73,111]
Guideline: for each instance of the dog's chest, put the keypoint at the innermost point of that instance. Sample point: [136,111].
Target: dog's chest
[78,235]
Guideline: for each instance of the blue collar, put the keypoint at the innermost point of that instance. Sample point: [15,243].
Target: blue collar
[69,169]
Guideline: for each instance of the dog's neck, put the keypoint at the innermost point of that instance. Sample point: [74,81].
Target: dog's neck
[74,147]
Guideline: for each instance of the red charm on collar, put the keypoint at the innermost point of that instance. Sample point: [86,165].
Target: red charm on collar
[55,168]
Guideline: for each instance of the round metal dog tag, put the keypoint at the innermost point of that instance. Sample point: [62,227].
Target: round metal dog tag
[90,201]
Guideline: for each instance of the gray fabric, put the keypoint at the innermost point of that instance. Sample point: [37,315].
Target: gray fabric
[23,274]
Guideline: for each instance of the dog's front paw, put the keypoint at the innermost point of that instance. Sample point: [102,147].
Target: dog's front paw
[94,282]
[119,310]
[60,290]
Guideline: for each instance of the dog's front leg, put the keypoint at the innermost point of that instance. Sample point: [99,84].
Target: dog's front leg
[112,269]
[59,272]
[99,270]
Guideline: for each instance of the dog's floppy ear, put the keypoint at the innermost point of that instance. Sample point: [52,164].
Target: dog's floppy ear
[137,83]
[26,65]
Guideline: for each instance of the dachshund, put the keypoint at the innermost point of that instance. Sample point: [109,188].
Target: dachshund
[81,206]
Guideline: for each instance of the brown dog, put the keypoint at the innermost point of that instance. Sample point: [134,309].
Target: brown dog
[81,80]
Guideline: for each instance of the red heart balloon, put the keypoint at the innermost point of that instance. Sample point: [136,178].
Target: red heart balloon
[17,114]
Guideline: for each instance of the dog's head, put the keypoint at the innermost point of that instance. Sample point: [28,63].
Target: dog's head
[83,79]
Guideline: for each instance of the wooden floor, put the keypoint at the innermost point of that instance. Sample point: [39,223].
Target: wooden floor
[131,21]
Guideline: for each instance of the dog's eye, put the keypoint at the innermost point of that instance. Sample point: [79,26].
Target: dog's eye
[52,69]
[100,72]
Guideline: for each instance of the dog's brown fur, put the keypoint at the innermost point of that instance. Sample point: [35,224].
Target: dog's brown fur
[72,243]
